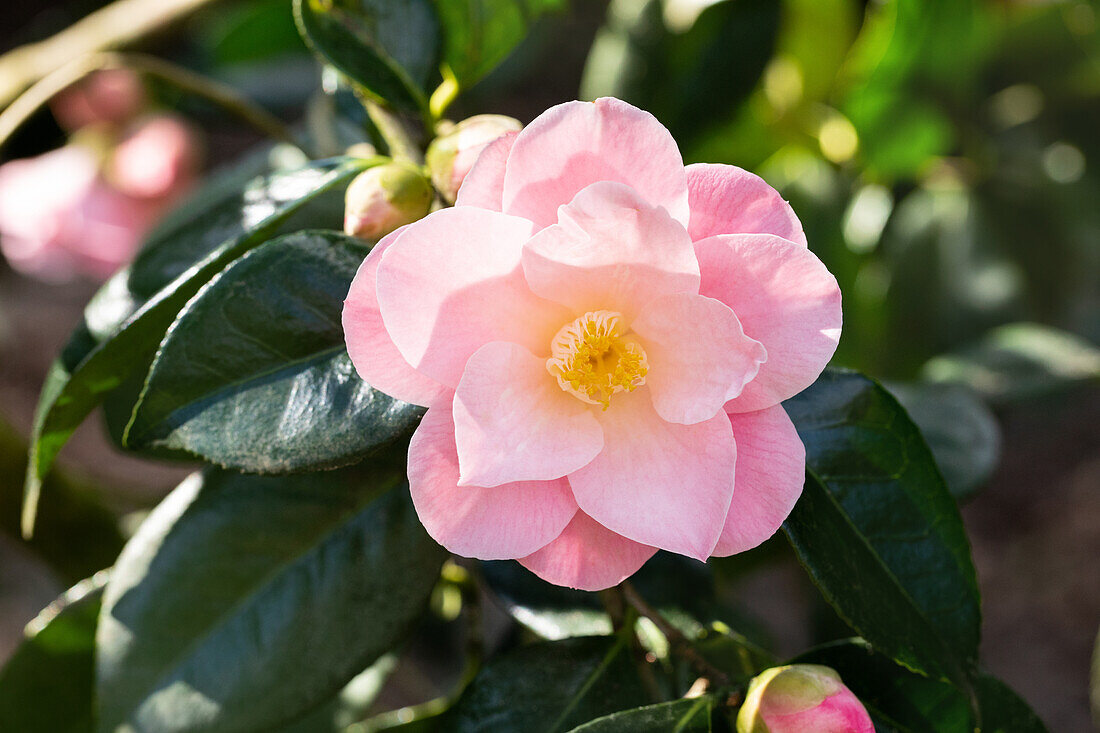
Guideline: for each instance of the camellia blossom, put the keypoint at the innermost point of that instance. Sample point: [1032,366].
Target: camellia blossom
[68,212]
[602,338]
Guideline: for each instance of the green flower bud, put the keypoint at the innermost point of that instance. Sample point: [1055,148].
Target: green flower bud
[801,698]
[383,198]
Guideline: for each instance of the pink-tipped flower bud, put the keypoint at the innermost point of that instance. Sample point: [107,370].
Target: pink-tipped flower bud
[384,198]
[802,698]
[451,155]
[112,96]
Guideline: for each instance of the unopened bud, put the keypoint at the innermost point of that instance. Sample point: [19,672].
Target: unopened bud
[451,155]
[800,698]
[384,198]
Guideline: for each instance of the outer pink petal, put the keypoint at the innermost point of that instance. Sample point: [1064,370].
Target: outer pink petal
[484,184]
[588,556]
[785,299]
[576,144]
[659,483]
[370,347]
[452,282]
[514,423]
[610,250]
[698,355]
[771,469]
[728,200]
[497,523]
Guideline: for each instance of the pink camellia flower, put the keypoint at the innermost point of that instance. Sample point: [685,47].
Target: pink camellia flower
[61,217]
[158,159]
[802,698]
[602,338]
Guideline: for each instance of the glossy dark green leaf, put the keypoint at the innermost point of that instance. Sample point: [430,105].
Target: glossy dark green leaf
[549,687]
[48,684]
[898,698]
[960,429]
[254,374]
[1003,711]
[678,716]
[242,602]
[387,48]
[878,531]
[126,321]
[479,34]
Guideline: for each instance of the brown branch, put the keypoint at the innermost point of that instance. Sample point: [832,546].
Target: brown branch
[678,643]
[114,26]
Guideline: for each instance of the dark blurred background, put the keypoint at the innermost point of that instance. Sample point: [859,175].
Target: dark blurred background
[944,157]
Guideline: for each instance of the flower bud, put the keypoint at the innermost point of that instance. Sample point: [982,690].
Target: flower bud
[384,198]
[451,155]
[802,698]
[112,96]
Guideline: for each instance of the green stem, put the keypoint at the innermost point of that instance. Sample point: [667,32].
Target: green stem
[394,133]
[444,94]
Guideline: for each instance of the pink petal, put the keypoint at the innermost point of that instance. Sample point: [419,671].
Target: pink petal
[785,299]
[728,200]
[370,347]
[575,144]
[514,423]
[656,482]
[588,556]
[484,184]
[452,283]
[610,251]
[698,355]
[771,469]
[497,523]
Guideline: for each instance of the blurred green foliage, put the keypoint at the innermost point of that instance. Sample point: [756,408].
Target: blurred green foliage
[941,153]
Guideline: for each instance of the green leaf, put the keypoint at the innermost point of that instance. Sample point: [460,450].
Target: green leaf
[548,687]
[387,48]
[960,429]
[47,685]
[76,534]
[903,700]
[1019,361]
[242,602]
[878,531]
[1003,711]
[678,716]
[127,319]
[254,374]
[479,34]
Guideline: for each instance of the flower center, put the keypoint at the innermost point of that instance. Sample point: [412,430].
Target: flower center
[592,359]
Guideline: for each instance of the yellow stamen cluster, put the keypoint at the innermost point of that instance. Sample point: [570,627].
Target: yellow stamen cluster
[592,359]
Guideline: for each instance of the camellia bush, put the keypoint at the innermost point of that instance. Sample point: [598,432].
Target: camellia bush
[546,367]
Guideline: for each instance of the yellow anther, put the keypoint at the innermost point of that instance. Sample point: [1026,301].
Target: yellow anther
[593,359]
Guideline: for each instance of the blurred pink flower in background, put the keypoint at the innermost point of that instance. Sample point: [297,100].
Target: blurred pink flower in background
[112,96]
[83,209]
[602,337]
